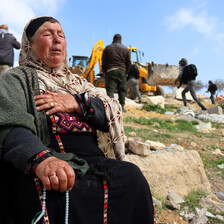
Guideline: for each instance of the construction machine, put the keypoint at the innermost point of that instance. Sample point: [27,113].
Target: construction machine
[151,76]
[84,66]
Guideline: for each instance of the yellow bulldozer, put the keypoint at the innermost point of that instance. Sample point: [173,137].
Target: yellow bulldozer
[151,76]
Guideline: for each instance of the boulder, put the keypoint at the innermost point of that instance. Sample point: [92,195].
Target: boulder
[155,145]
[180,171]
[155,100]
[215,110]
[138,147]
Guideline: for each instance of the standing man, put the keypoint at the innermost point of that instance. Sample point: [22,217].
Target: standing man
[133,81]
[212,89]
[116,62]
[187,76]
[7,43]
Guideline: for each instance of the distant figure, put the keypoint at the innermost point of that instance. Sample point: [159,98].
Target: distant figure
[133,80]
[187,75]
[7,43]
[212,89]
[116,62]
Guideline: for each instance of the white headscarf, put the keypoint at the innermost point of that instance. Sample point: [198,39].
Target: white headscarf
[62,80]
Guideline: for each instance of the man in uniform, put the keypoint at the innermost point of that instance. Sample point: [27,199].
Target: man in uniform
[116,62]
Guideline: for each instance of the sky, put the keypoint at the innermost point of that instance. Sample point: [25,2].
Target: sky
[165,30]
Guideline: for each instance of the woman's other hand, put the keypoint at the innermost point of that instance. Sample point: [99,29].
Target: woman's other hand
[54,102]
[56,174]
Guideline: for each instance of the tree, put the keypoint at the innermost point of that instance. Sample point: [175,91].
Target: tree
[199,85]
[220,85]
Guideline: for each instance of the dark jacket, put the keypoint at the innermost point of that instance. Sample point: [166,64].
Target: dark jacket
[116,55]
[7,43]
[133,72]
[212,87]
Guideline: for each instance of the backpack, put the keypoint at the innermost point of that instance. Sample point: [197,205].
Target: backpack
[134,72]
[189,73]
[213,87]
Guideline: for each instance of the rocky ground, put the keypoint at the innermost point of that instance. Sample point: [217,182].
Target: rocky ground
[203,145]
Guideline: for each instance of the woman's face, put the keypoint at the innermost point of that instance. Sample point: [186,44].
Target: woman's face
[49,44]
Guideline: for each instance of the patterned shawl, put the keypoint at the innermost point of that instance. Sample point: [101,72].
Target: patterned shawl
[61,80]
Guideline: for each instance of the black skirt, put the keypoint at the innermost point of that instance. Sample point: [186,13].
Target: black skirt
[112,191]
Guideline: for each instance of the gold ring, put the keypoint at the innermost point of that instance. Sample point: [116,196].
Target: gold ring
[52,104]
[52,176]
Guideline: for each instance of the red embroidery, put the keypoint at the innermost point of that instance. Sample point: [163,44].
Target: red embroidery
[105,202]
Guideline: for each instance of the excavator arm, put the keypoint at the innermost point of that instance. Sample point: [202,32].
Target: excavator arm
[95,57]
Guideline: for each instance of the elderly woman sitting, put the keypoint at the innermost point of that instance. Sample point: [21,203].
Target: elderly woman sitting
[56,133]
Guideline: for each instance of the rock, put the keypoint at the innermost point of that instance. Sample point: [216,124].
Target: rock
[182,213]
[179,171]
[221,166]
[139,148]
[174,200]
[155,100]
[157,202]
[188,118]
[174,197]
[155,145]
[169,113]
[133,134]
[211,117]
[137,139]
[189,217]
[209,214]
[210,203]
[220,196]
[171,205]
[215,110]
[193,144]
[203,126]
[200,216]
[219,217]
[186,111]
[131,103]
[218,153]
[174,147]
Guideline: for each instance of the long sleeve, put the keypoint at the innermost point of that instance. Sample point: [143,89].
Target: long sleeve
[98,120]
[20,145]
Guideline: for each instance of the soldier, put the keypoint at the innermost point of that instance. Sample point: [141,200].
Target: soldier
[212,89]
[116,62]
[187,76]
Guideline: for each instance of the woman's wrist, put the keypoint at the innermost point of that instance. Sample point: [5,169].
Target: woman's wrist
[85,105]
[37,159]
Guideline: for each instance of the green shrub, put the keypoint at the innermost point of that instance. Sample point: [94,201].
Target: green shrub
[192,200]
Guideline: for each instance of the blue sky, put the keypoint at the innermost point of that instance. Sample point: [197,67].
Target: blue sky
[164,30]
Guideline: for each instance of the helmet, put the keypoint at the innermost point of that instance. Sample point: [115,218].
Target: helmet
[183,62]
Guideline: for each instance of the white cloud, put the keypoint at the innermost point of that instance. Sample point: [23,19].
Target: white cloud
[16,13]
[198,20]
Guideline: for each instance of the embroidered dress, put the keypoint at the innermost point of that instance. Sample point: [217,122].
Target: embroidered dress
[99,196]
[112,191]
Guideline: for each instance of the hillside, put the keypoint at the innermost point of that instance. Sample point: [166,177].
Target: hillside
[204,142]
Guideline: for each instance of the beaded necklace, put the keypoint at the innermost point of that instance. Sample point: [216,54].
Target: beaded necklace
[43,211]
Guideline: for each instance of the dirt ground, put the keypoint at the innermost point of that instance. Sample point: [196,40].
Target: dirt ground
[202,145]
